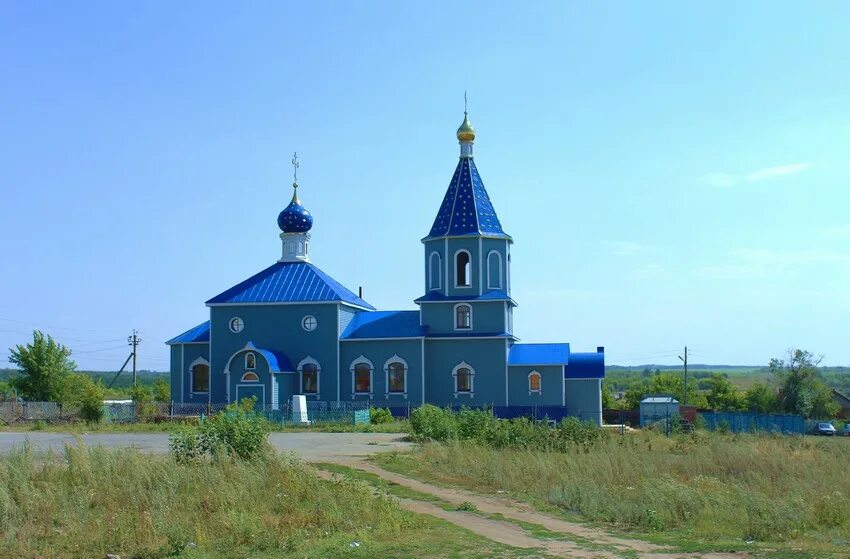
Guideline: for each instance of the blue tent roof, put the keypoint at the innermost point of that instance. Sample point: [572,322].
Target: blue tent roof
[466,207]
[289,282]
[539,354]
[586,365]
[436,296]
[198,334]
[384,324]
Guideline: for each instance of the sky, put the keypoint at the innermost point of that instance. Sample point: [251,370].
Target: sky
[672,173]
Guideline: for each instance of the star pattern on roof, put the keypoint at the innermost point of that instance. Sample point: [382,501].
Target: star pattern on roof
[466,207]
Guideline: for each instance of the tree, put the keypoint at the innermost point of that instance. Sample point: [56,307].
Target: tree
[83,393]
[607,396]
[45,365]
[161,390]
[723,395]
[761,398]
[663,383]
[802,390]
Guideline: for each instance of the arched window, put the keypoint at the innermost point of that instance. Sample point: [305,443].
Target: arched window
[361,376]
[464,375]
[396,375]
[250,361]
[250,377]
[200,378]
[435,271]
[463,317]
[494,270]
[309,370]
[534,382]
[463,269]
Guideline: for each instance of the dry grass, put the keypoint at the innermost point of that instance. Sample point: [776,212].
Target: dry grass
[89,502]
[710,486]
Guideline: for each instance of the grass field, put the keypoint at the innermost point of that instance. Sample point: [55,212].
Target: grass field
[89,502]
[717,492]
[80,427]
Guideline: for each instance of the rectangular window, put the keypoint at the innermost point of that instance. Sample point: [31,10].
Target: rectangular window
[362,379]
[464,381]
[395,377]
[200,378]
[463,318]
[309,379]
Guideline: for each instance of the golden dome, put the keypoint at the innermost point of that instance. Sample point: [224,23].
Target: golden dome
[466,133]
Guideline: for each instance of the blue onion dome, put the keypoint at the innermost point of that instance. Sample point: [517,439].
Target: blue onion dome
[295,218]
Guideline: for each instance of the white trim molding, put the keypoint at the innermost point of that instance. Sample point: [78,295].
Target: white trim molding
[362,360]
[454,317]
[498,283]
[300,370]
[464,365]
[395,359]
[251,373]
[199,361]
[468,283]
[539,389]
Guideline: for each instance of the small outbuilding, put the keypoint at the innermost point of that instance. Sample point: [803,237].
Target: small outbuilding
[657,407]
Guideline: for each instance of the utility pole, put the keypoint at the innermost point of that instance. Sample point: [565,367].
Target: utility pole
[134,341]
[685,361]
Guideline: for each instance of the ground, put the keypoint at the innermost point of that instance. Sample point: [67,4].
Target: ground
[515,528]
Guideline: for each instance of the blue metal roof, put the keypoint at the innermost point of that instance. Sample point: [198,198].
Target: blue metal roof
[198,334]
[289,282]
[586,365]
[278,361]
[472,335]
[384,324]
[436,296]
[466,207]
[539,354]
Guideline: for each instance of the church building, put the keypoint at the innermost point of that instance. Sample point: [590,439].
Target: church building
[292,329]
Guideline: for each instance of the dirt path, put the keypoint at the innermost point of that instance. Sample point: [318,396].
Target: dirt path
[508,533]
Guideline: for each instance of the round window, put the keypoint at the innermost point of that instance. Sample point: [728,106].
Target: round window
[309,323]
[236,324]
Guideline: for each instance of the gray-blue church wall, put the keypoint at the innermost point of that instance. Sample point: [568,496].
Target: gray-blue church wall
[379,353]
[551,386]
[488,317]
[584,399]
[487,357]
[276,327]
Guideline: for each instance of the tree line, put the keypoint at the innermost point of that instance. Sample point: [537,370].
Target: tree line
[795,385]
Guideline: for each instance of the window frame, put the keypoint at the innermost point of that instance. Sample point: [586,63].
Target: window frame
[392,360]
[539,389]
[300,370]
[198,362]
[439,276]
[467,273]
[252,357]
[471,374]
[456,308]
[362,360]
[498,284]
[245,377]
[237,329]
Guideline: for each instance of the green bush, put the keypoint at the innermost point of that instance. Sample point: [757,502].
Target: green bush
[377,416]
[237,431]
[430,423]
[82,393]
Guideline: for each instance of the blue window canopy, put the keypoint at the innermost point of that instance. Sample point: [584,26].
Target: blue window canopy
[277,361]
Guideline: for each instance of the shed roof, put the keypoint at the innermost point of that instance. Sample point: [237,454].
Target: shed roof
[195,335]
[289,282]
[384,324]
[539,354]
[659,400]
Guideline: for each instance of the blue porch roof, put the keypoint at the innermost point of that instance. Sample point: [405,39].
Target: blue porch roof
[466,207]
[539,354]
[384,324]
[586,365]
[436,297]
[289,282]
[198,334]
